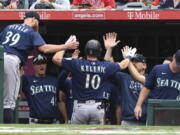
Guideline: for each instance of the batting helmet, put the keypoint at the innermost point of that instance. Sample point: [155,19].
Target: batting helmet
[93,48]
[40,59]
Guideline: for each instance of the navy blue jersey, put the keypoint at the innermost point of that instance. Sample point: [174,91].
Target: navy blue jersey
[67,89]
[62,78]
[163,83]
[20,39]
[129,93]
[89,78]
[41,93]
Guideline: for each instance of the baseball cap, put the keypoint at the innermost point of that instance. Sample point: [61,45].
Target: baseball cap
[32,14]
[40,59]
[139,58]
[177,57]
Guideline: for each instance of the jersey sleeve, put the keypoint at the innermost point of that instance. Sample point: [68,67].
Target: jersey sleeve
[61,78]
[69,64]
[113,68]
[37,39]
[150,79]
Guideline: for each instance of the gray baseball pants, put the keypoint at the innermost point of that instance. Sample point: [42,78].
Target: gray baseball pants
[89,112]
[11,80]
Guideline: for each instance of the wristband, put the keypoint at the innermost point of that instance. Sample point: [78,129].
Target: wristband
[128,57]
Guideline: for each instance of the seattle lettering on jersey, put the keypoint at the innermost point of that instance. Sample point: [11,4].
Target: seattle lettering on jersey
[168,83]
[135,87]
[42,88]
[93,69]
[18,27]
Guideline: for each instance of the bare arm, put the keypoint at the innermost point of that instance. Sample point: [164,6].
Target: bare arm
[143,95]
[51,48]
[118,114]
[62,106]
[57,58]
[108,55]
[109,42]
[136,75]
[124,63]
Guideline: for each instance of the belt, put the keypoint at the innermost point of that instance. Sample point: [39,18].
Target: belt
[43,121]
[89,101]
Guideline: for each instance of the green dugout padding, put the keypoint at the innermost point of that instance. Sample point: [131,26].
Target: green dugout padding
[163,112]
[1,82]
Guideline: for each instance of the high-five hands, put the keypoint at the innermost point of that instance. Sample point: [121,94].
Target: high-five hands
[72,42]
[128,52]
[110,40]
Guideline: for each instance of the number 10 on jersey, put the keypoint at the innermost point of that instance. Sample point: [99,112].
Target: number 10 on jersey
[92,81]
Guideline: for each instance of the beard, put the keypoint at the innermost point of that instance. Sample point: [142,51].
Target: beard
[36,28]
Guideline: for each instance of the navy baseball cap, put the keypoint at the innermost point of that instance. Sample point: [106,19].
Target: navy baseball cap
[32,14]
[177,57]
[40,59]
[139,58]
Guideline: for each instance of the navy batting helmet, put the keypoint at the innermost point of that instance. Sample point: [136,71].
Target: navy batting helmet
[40,59]
[93,48]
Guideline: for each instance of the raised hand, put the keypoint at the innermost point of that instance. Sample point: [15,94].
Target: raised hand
[72,38]
[128,52]
[71,43]
[110,40]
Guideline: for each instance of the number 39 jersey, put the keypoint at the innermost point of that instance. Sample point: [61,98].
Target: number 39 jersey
[20,39]
[89,78]
[41,94]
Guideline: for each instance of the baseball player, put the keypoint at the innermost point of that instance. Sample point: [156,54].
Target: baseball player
[163,82]
[18,40]
[113,109]
[65,96]
[41,93]
[129,92]
[65,93]
[90,78]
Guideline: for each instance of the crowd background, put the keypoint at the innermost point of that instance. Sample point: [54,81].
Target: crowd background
[89,4]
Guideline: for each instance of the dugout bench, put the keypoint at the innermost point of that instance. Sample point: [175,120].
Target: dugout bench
[163,112]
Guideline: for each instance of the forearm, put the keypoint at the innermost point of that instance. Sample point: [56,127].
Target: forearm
[136,75]
[108,54]
[124,63]
[63,110]
[118,115]
[142,96]
[51,48]
[57,58]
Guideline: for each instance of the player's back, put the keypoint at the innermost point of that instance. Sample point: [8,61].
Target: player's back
[89,78]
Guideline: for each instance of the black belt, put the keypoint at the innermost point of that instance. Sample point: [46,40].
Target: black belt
[89,101]
[43,121]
